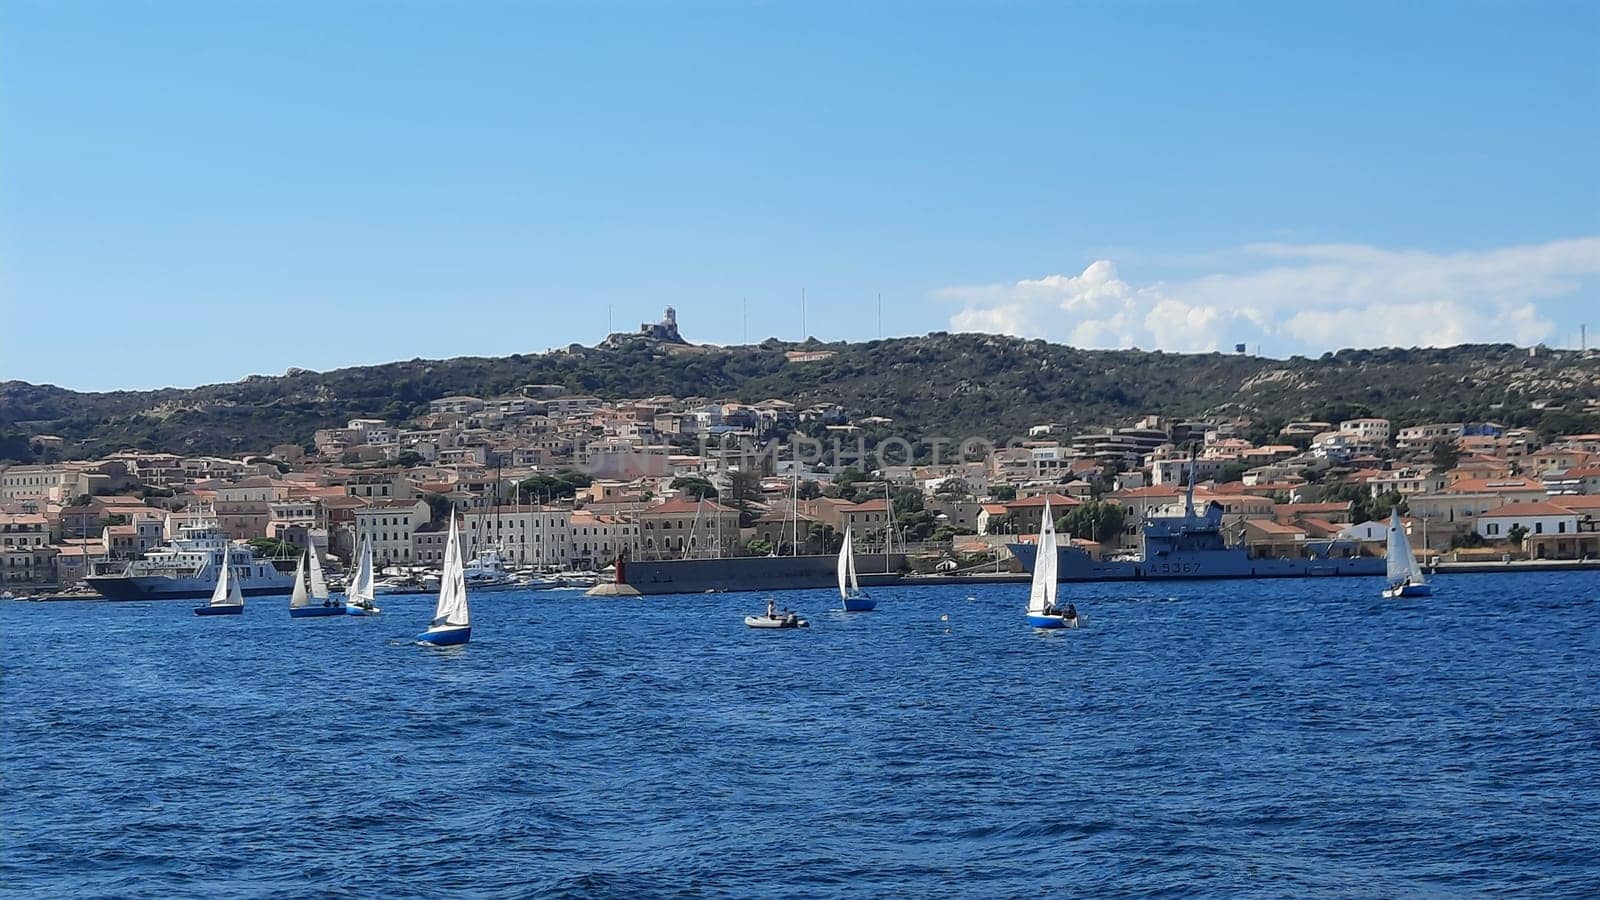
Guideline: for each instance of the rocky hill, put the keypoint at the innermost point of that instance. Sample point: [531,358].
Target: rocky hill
[944,384]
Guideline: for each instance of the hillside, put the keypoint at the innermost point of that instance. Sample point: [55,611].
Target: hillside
[944,384]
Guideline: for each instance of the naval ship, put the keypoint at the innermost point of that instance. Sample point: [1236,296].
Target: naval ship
[1192,546]
[188,567]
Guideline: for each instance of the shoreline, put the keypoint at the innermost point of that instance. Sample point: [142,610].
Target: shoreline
[607,589]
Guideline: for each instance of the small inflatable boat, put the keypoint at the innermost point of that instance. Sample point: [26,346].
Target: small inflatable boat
[781,620]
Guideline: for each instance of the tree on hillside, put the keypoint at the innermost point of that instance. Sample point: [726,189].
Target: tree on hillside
[1097,520]
[15,447]
[808,490]
[272,548]
[562,485]
[1445,455]
[907,500]
[744,489]
[1379,507]
[847,479]
[694,487]
[438,507]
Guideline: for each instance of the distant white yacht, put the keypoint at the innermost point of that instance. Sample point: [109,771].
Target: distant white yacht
[487,572]
[188,567]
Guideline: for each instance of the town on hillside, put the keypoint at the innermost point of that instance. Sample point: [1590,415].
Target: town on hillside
[555,482]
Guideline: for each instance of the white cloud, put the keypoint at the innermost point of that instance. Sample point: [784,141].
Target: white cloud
[1315,297]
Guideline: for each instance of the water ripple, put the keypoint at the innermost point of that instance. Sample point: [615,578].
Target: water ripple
[1282,738]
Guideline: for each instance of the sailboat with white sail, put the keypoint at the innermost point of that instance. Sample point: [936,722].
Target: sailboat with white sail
[310,596]
[1404,572]
[359,593]
[226,599]
[452,621]
[1042,610]
[855,599]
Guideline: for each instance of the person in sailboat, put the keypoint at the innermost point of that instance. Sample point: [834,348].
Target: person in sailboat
[1070,613]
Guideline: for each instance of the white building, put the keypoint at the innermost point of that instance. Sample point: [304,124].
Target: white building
[571,407]
[1423,436]
[1175,470]
[525,535]
[58,483]
[459,405]
[597,539]
[1367,432]
[389,525]
[1406,481]
[1537,518]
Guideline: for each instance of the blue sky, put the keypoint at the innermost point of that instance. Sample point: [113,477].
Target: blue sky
[194,192]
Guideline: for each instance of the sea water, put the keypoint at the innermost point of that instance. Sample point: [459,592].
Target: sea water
[1247,738]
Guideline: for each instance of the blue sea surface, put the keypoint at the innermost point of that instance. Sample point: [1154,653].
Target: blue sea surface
[1275,738]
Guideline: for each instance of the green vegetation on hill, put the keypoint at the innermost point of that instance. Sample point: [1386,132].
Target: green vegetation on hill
[940,384]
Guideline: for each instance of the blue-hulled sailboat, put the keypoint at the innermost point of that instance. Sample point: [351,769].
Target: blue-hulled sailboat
[359,593]
[314,602]
[452,622]
[1042,610]
[855,599]
[1405,574]
[226,599]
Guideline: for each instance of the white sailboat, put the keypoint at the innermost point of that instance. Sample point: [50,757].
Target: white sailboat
[452,622]
[855,599]
[226,599]
[1042,610]
[310,596]
[1404,572]
[359,593]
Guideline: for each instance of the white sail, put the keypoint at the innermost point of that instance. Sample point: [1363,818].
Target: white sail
[360,587]
[227,590]
[1401,563]
[319,584]
[1042,594]
[219,594]
[451,610]
[855,586]
[844,566]
[848,584]
[299,597]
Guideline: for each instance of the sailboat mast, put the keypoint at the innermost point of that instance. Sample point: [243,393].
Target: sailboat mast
[888,535]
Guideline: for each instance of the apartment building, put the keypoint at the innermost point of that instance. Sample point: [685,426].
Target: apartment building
[390,525]
[681,528]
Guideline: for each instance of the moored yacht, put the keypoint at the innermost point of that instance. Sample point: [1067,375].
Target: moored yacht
[487,572]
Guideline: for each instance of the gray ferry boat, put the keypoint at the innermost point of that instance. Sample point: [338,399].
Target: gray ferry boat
[1192,546]
[188,566]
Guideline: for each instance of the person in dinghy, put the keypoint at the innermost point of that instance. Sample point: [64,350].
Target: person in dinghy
[1068,612]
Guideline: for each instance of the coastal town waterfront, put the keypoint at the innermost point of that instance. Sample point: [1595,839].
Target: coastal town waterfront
[552,484]
[1289,736]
